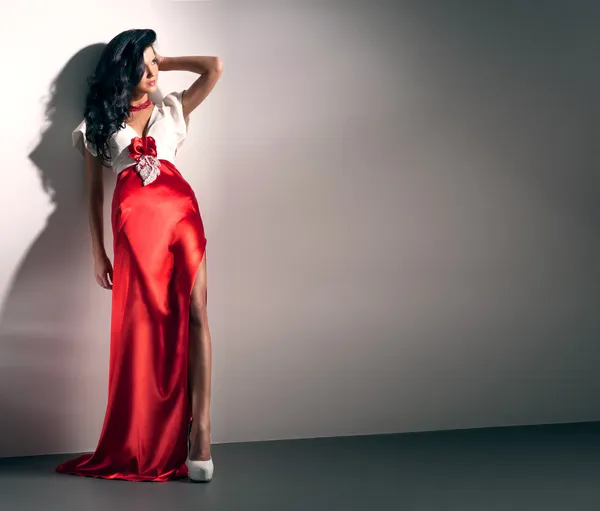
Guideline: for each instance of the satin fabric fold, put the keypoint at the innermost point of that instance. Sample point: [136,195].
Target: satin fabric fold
[159,242]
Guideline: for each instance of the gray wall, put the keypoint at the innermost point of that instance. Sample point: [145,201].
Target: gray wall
[401,202]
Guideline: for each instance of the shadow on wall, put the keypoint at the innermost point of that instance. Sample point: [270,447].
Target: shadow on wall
[46,302]
[53,297]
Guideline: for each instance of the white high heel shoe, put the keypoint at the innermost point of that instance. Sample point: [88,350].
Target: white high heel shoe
[198,470]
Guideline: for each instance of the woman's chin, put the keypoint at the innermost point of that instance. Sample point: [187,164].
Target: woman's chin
[149,89]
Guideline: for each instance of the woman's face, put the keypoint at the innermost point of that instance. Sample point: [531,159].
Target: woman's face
[149,81]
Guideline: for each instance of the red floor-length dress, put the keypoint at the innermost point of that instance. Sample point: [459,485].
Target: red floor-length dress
[159,242]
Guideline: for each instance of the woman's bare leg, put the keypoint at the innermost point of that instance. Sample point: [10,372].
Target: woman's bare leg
[199,368]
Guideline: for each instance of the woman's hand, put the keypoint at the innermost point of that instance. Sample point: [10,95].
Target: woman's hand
[103,270]
[159,59]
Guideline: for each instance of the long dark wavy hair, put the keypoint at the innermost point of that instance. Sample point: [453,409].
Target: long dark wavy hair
[119,70]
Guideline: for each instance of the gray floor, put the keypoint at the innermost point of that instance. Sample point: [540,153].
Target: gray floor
[541,468]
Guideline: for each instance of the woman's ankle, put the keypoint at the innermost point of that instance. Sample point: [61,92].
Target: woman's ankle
[201,425]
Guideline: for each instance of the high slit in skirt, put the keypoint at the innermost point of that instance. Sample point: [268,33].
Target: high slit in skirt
[159,243]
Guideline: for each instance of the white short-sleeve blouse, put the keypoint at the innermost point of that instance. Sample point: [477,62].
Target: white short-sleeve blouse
[166,125]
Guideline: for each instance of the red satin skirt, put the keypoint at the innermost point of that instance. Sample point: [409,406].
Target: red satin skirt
[159,243]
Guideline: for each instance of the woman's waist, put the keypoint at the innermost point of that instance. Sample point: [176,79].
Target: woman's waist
[164,175]
[119,167]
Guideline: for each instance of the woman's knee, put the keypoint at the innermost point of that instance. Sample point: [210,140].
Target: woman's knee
[199,296]
[197,314]
[198,305]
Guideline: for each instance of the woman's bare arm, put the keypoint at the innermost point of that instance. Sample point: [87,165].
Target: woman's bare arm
[209,68]
[95,201]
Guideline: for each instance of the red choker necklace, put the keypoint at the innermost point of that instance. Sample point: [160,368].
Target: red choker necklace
[145,104]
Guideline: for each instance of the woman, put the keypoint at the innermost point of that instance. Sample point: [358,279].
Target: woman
[160,349]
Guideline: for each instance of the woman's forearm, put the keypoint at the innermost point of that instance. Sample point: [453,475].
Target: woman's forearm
[194,63]
[96,215]
[95,202]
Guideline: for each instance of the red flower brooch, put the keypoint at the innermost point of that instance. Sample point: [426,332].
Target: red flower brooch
[143,150]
